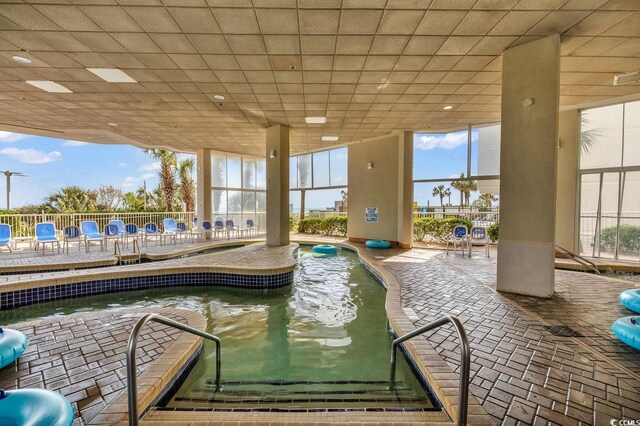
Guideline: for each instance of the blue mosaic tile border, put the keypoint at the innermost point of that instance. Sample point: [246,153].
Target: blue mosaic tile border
[14,299]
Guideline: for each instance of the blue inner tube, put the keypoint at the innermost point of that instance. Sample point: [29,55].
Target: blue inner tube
[383,244]
[34,407]
[631,299]
[627,329]
[325,249]
[12,344]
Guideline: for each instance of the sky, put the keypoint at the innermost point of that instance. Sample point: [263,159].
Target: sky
[51,163]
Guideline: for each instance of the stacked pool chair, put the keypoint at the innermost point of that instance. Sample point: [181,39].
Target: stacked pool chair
[31,407]
[627,329]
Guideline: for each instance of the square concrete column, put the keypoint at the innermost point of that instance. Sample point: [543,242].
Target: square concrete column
[203,187]
[277,185]
[567,179]
[528,155]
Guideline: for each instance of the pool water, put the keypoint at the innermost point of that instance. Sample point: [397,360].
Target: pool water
[319,342]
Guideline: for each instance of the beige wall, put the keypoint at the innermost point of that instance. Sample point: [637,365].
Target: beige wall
[277,185]
[528,151]
[387,186]
[566,193]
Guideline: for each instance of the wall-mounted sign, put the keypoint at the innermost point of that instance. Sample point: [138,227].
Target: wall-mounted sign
[371,214]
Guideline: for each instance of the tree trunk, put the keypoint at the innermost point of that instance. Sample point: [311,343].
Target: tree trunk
[302,206]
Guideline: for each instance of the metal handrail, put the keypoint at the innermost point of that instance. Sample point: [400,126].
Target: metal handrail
[465,360]
[581,260]
[117,252]
[137,245]
[131,358]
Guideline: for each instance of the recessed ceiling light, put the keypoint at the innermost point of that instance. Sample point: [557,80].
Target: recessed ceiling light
[448,107]
[329,138]
[219,97]
[315,120]
[49,86]
[21,59]
[113,124]
[112,75]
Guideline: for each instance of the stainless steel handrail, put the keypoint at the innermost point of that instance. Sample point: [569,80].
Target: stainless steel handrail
[117,252]
[131,358]
[581,260]
[465,360]
[137,245]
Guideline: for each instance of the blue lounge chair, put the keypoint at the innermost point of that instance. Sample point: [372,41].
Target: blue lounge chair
[132,232]
[218,228]
[71,235]
[459,237]
[5,236]
[122,233]
[170,230]
[111,233]
[151,231]
[252,227]
[91,233]
[478,236]
[46,234]
[230,227]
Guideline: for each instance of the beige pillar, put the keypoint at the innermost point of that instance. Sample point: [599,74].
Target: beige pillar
[203,191]
[529,145]
[381,177]
[567,175]
[277,185]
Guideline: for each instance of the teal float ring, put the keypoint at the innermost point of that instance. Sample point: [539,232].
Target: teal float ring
[627,329]
[631,299]
[35,407]
[12,344]
[325,249]
[383,244]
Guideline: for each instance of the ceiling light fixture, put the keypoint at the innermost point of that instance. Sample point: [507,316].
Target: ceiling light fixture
[49,86]
[113,124]
[629,78]
[329,138]
[448,107]
[219,97]
[315,120]
[112,75]
[21,59]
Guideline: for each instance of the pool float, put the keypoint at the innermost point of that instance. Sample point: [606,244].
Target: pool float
[325,249]
[383,244]
[631,299]
[627,329]
[12,345]
[34,407]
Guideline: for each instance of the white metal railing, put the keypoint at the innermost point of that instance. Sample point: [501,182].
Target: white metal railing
[23,225]
[478,218]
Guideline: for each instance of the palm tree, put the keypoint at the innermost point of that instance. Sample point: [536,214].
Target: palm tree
[467,186]
[70,199]
[458,185]
[187,185]
[588,138]
[487,198]
[167,174]
[441,191]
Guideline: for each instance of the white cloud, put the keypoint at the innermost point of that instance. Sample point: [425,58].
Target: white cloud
[11,137]
[31,156]
[134,181]
[149,167]
[122,164]
[447,141]
[71,143]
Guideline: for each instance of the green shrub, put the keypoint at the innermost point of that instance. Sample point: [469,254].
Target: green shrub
[292,223]
[629,239]
[310,225]
[437,229]
[336,225]
[493,231]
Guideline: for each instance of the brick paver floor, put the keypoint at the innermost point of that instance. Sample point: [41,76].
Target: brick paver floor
[522,373]
[82,356]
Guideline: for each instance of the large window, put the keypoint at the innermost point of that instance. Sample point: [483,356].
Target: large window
[318,182]
[457,172]
[610,182]
[238,188]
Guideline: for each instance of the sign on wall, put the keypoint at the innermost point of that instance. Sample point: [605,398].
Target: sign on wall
[371,214]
